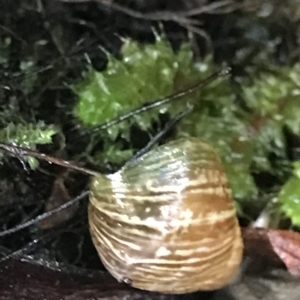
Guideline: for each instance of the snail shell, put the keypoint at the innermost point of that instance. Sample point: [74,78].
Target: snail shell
[166,221]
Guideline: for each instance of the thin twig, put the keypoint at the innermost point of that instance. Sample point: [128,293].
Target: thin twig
[44,215]
[180,17]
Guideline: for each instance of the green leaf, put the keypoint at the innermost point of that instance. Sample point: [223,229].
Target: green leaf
[289,196]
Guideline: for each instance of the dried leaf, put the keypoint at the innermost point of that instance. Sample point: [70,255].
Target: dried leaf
[286,244]
[59,196]
[274,245]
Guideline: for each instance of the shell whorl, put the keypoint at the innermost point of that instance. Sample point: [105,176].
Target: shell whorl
[167,221]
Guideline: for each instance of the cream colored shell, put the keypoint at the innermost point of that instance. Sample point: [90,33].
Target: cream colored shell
[166,222]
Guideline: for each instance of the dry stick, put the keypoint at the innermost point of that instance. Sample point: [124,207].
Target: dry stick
[181,16]
[201,33]
[19,251]
[222,7]
[19,151]
[156,16]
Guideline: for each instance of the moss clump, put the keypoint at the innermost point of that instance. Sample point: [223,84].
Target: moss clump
[153,71]
[245,136]
[27,135]
[274,101]
[145,73]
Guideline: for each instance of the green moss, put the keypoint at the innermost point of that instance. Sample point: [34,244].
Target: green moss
[153,71]
[27,135]
[244,139]
[218,120]
[143,74]
[274,100]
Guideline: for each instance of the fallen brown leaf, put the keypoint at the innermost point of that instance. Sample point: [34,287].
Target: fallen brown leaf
[275,245]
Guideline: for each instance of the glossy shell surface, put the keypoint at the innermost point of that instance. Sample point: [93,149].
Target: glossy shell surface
[166,222]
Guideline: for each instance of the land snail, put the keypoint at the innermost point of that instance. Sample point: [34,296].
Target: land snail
[166,221]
